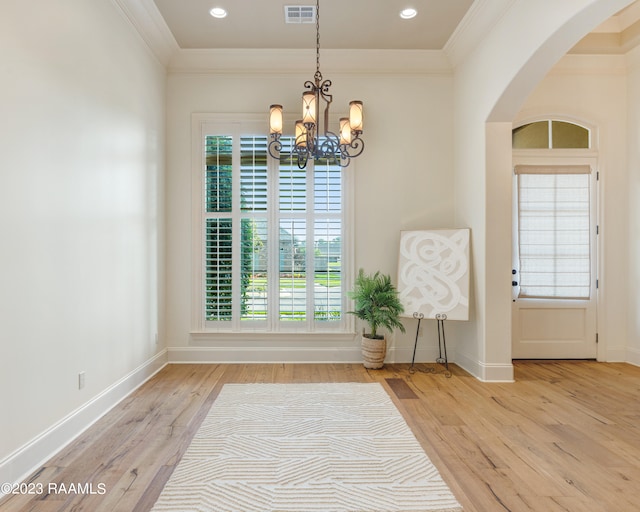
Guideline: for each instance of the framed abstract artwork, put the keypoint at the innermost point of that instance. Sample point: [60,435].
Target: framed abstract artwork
[433,273]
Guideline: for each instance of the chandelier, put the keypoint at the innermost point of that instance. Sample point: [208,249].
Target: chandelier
[312,136]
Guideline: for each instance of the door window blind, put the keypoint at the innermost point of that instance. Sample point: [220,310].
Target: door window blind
[554,231]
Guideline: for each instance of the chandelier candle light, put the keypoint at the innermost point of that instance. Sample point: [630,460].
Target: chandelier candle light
[312,137]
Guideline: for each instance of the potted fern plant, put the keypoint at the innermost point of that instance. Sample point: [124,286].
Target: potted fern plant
[376,302]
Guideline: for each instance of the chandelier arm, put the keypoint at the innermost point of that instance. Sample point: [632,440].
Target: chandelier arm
[302,159]
[330,147]
[275,146]
[357,145]
[344,161]
[324,90]
[308,145]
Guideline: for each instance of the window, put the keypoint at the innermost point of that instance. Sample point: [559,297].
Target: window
[271,236]
[554,226]
[551,134]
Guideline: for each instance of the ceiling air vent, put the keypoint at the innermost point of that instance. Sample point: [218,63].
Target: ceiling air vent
[299,13]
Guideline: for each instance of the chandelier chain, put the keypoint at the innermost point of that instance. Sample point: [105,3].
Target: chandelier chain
[318,37]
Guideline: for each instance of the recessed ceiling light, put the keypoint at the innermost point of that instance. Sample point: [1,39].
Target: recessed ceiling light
[407,14]
[218,12]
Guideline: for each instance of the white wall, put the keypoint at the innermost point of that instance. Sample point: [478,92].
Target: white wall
[593,90]
[402,181]
[81,170]
[633,197]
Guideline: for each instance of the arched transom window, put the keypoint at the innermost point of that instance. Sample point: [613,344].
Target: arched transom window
[551,134]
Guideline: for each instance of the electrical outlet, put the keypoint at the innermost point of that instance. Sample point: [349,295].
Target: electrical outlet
[80,380]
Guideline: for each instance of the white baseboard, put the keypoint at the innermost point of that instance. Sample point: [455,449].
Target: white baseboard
[24,461]
[617,354]
[348,353]
[633,356]
[247,354]
[486,372]
[330,354]
[296,351]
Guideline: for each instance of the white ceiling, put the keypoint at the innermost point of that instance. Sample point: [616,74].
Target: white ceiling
[344,24]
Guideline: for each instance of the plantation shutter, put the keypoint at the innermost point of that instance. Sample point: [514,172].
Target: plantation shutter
[218,264]
[254,270]
[253,173]
[218,227]
[292,180]
[218,173]
[327,229]
[293,235]
[554,231]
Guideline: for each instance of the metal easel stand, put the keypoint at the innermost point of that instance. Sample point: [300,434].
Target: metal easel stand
[442,345]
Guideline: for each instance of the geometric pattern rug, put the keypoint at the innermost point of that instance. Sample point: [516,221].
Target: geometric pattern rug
[334,447]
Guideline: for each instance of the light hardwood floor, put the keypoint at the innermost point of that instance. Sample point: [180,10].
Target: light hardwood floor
[564,437]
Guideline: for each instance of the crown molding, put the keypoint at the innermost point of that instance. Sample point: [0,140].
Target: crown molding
[628,16]
[297,61]
[150,25]
[609,43]
[477,22]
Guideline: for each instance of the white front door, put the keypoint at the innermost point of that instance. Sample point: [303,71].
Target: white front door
[554,276]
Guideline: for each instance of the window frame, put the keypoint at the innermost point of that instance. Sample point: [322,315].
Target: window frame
[246,124]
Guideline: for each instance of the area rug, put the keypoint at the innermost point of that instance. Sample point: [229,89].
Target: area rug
[305,448]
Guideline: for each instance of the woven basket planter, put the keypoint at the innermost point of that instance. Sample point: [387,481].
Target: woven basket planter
[373,352]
